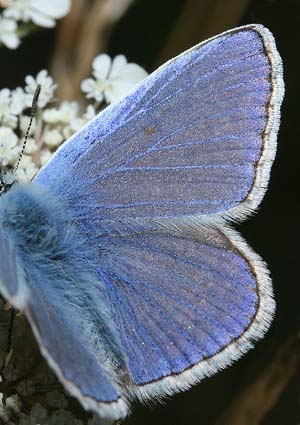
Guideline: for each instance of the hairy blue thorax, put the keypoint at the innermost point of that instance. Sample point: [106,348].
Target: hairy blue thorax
[37,222]
[50,251]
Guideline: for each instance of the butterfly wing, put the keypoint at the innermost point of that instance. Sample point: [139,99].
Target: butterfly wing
[194,142]
[62,299]
[72,358]
[196,138]
[187,303]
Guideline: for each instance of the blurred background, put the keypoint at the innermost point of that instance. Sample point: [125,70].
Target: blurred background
[264,386]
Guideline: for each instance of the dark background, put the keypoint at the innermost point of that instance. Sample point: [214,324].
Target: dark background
[264,386]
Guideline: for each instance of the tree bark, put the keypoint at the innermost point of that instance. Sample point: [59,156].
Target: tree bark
[250,406]
[199,20]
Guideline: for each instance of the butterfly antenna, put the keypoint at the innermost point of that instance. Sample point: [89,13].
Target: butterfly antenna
[32,113]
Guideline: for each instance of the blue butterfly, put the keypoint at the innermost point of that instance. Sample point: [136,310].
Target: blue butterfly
[120,251]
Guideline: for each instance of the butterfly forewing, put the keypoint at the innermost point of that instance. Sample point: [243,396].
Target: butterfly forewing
[197,139]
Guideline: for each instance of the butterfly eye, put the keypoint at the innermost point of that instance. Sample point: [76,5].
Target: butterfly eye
[2,186]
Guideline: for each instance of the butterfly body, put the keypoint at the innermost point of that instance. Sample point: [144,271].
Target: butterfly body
[120,251]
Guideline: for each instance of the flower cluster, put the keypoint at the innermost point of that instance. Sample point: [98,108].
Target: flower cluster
[53,124]
[35,385]
[112,79]
[29,392]
[17,14]
[38,415]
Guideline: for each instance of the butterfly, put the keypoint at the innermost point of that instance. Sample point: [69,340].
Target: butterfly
[120,251]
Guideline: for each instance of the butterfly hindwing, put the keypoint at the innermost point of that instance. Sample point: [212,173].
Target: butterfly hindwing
[187,303]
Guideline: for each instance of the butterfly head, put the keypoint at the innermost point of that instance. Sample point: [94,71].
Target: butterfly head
[7,180]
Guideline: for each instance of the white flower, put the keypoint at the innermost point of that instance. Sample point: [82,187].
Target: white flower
[24,122]
[56,399]
[9,151]
[41,12]
[14,403]
[7,114]
[27,169]
[112,79]
[89,114]
[31,146]
[12,406]
[45,156]
[63,417]
[26,388]
[63,115]
[53,138]
[77,123]
[18,100]
[38,416]
[47,88]
[8,33]
[45,376]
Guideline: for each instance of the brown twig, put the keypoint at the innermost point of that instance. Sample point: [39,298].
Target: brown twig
[65,41]
[200,20]
[250,406]
[83,34]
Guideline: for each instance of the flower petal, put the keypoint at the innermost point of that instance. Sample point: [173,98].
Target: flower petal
[11,14]
[88,85]
[42,20]
[18,100]
[132,73]
[117,90]
[10,40]
[54,9]
[118,64]
[127,77]
[101,66]
[92,89]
